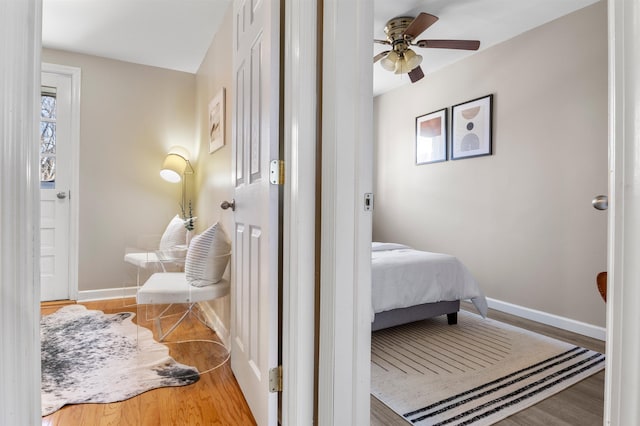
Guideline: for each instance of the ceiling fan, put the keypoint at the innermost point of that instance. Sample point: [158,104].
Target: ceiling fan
[401,33]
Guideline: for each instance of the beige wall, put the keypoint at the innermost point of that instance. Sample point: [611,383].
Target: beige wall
[521,219]
[213,171]
[130,116]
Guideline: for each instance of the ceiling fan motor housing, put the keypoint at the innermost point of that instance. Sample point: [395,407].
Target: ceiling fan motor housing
[395,27]
[394,30]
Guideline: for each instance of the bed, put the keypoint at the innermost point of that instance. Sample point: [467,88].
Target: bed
[410,285]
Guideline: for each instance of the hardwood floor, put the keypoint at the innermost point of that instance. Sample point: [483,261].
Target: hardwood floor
[581,404]
[215,399]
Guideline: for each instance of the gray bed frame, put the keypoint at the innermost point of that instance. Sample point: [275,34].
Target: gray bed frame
[401,316]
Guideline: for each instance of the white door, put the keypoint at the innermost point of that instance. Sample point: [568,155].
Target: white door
[255,142]
[55,183]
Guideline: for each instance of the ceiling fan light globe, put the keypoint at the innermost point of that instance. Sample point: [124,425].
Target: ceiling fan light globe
[409,54]
[388,64]
[402,67]
[412,59]
[389,61]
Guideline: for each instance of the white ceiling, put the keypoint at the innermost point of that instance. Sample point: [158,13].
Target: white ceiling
[173,34]
[176,34]
[490,21]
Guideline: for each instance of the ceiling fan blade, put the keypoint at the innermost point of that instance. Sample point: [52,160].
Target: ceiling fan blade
[418,25]
[380,56]
[381,41]
[416,74]
[449,44]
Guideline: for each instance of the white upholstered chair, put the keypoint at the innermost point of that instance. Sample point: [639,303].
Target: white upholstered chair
[206,261]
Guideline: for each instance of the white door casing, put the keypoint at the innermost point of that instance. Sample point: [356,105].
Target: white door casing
[299,212]
[347,163]
[622,372]
[255,142]
[19,213]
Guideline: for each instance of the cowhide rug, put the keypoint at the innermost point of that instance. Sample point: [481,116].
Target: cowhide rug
[92,357]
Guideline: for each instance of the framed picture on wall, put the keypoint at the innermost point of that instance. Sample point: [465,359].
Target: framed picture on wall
[216,122]
[471,128]
[431,137]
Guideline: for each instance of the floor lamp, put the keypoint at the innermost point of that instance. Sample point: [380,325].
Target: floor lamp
[175,168]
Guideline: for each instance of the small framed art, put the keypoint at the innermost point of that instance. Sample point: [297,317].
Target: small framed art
[431,137]
[216,122]
[471,131]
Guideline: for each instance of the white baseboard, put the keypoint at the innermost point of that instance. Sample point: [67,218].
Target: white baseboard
[214,321]
[106,293]
[568,324]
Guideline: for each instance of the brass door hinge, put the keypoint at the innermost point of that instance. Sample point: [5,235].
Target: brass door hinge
[275,379]
[276,172]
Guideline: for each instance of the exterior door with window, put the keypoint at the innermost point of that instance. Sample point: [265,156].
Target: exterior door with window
[255,141]
[55,183]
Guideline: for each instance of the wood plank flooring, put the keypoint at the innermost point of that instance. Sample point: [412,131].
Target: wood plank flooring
[581,404]
[215,399]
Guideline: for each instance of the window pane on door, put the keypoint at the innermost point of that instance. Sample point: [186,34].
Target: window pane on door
[48,107]
[48,139]
[48,172]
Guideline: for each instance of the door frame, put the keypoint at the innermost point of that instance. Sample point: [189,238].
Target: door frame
[345,236]
[299,212]
[622,376]
[20,29]
[75,75]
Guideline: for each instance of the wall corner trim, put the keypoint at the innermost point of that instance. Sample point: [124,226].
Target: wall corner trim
[215,323]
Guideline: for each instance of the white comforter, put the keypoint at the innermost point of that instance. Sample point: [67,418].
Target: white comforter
[402,277]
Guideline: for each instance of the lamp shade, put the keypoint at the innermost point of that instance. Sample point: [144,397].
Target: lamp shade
[173,168]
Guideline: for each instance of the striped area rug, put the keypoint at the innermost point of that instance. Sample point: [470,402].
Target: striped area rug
[474,373]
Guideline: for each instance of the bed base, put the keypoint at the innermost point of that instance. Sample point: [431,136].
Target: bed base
[401,316]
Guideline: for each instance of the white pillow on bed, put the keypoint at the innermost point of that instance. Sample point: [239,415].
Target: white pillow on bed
[375,246]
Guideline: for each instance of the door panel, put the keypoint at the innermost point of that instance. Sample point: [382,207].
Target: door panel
[254,294]
[254,141]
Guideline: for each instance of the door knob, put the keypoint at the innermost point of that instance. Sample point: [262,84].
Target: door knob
[228,205]
[600,202]
[61,195]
